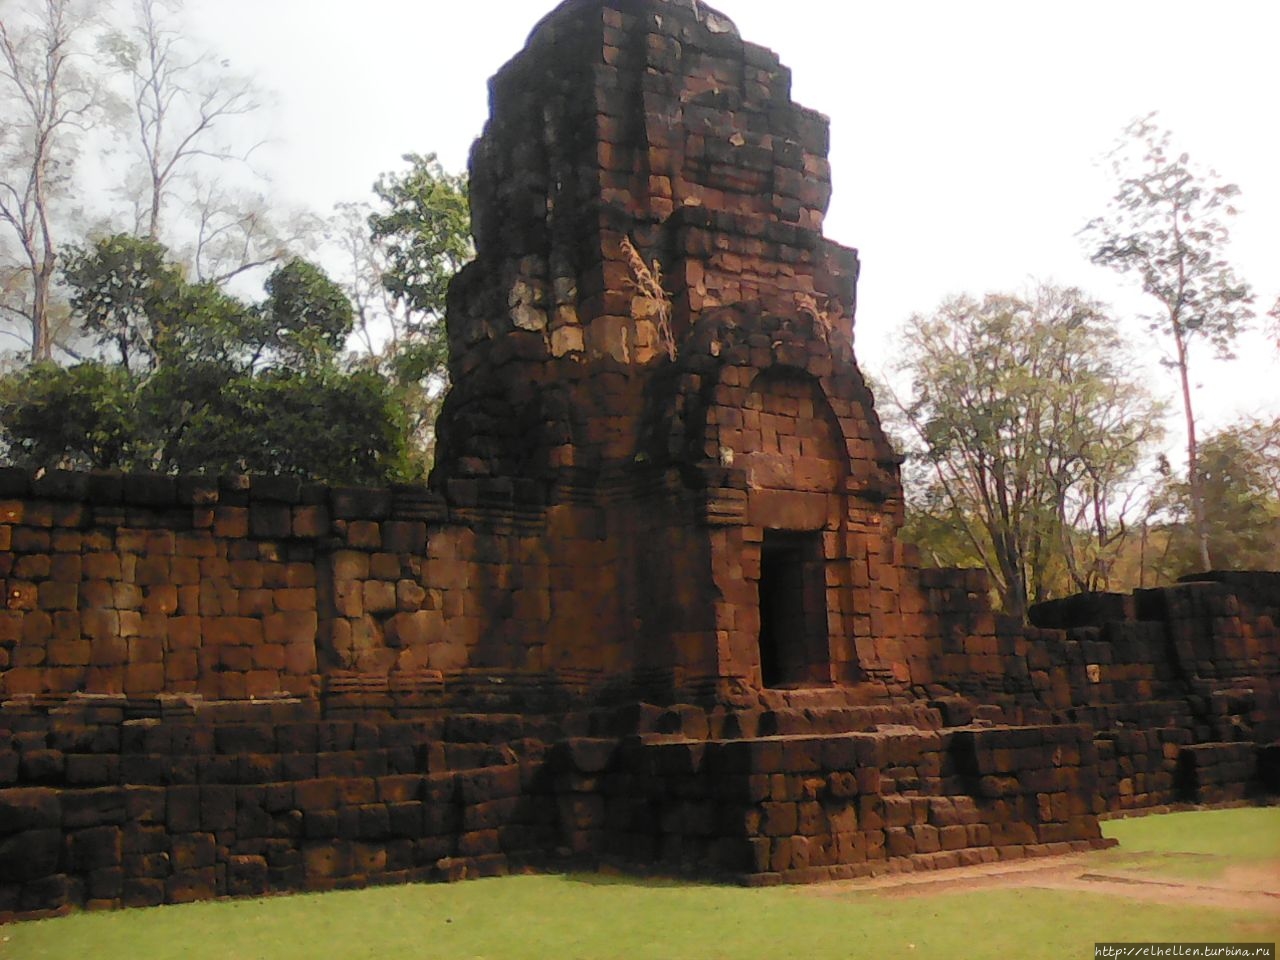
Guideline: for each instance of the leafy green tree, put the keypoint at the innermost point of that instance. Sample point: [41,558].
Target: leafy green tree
[137,304]
[935,522]
[124,289]
[424,227]
[1025,432]
[308,315]
[1240,480]
[196,380]
[1168,224]
[402,254]
[319,423]
[77,418]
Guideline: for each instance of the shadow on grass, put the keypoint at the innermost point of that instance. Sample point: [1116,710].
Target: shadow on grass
[610,876]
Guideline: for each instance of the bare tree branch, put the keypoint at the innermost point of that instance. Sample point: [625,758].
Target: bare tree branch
[48,100]
[181,101]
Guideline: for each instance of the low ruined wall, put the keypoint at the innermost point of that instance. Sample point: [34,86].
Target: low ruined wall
[1179,684]
[100,808]
[808,808]
[144,585]
[238,799]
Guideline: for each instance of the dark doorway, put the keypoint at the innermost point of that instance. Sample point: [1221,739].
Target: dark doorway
[793,615]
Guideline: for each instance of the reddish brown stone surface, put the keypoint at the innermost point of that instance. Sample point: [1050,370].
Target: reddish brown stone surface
[656,479]
[651,608]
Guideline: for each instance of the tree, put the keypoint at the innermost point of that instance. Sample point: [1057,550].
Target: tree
[122,288]
[82,417]
[308,316]
[193,379]
[45,100]
[1240,481]
[1168,224]
[137,304]
[424,230]
[237,231]
[1024,430]
[180,102]
[320,423]
[402,255]
[183,107]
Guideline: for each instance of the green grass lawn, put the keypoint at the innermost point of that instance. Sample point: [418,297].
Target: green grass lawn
[1194,846]
[569,917]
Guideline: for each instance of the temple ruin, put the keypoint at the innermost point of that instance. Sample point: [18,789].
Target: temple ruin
[651,608]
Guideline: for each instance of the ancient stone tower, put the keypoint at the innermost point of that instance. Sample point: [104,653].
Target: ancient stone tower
[653,364]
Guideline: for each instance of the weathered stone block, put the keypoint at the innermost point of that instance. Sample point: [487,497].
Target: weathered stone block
[360,503]
[310,522]
[246,876]
[28,808]
[30,854]
[94,848]
[192,852]
[379,597]
[182,809]
[191,886]
[231,523]
[270,521]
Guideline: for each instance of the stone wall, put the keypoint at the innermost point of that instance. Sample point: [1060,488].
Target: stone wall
[145,585]
[1172,680]
[259,588]
[115,799]
[236,799]
[200,799]
[838,806]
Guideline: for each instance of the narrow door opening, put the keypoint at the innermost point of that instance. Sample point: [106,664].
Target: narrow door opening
[792,610]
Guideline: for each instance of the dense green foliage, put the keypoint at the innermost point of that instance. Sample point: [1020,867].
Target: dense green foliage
[420,236]
[1239,471]
[1027,437]
[128,296]
[424,227]
[193,379]
[80,417]
[171,368]
[181,375]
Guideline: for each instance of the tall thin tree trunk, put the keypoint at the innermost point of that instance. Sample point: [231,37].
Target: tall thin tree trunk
[41,344]
[42,276]
[1193,458]
[34,62]
[1015,576]
[153,223]
[1142,557]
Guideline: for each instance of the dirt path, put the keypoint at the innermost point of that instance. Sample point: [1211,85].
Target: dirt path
[1135,877]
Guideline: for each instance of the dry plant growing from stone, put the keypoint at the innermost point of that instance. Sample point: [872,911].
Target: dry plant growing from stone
[807,303]
[646,281]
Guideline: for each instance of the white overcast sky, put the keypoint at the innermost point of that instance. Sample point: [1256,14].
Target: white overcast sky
[966,136]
